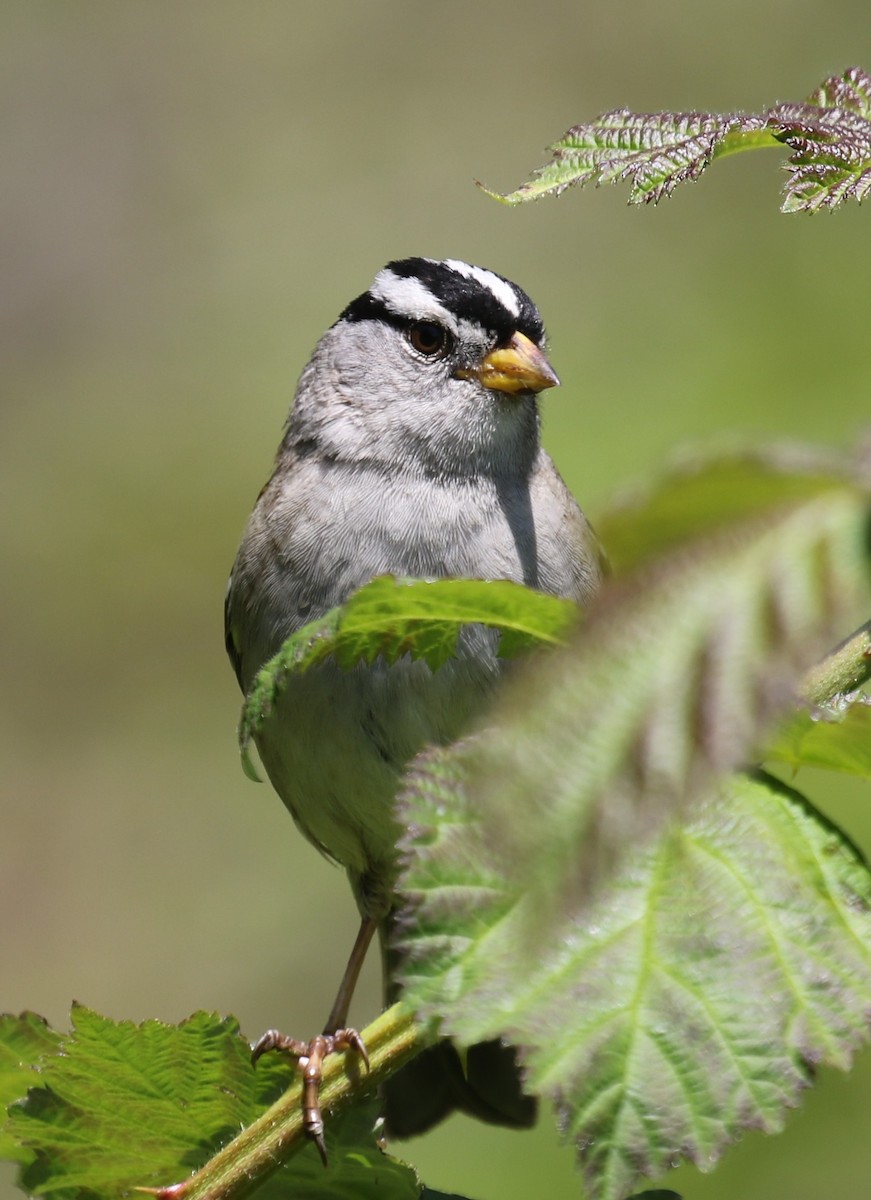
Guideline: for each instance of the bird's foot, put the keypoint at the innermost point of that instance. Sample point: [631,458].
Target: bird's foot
[310,1056]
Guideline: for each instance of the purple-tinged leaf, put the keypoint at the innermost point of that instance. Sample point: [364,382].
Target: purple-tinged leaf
[830,139]
[829,135]
[723,962]
[654,151]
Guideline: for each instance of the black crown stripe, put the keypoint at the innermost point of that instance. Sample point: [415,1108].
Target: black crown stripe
[467,298]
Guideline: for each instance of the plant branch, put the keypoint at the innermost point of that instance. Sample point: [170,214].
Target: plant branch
[278,1134]
[845,669]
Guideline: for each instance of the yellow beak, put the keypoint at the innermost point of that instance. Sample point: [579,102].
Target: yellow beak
[518,366]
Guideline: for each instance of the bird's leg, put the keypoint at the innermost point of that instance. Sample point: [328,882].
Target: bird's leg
[336,1037]
[339,1012]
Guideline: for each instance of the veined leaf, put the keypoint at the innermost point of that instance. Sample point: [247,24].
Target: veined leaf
[24,1041]
[830,139]
[128,1105]
[654,151]
[124,1106]
[829,135]
[676,676]
[393,617]
[839,740]
[685,1006]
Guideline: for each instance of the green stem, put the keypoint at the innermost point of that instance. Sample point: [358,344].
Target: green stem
[274,1138]
[845,669]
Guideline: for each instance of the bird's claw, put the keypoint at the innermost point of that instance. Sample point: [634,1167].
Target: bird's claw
[310,1056]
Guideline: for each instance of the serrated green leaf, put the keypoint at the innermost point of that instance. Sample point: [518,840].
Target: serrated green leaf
[126,1105]
[655,151]
[24,1041]
[830,136]
[698,493]
[677,675]
[836,740]
[686,1006]
[423,618]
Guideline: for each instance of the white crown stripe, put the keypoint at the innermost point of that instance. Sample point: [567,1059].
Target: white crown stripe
[408,297]
[501,288]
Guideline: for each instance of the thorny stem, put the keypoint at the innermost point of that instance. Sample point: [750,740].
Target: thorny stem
[846,668]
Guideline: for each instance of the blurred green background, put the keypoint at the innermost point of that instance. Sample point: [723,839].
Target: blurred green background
[191,193]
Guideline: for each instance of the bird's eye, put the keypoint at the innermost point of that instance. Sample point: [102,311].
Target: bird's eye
[429,338]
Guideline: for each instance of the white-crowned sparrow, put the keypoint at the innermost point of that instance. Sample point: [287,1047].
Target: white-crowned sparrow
[412,449]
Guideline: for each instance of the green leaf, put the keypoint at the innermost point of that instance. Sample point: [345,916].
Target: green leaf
[676,676]
[24,1041]
[829,135]
[655,151]
[126,1105]
[697,494]
[838,739]
[689,1004]
[393,617]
